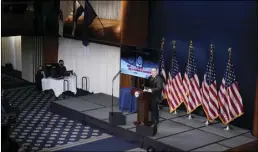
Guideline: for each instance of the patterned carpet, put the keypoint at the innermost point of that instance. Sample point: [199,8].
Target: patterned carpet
[37,128]
[106,145]
[12,82]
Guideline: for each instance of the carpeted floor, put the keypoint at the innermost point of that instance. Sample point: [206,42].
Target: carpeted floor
[38,129]
[12,82]
[109,144]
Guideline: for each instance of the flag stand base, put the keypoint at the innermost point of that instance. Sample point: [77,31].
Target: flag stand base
[190,117]
[207,123]
[227,128]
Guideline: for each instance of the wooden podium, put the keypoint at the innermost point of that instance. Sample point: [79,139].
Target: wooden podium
[143,102]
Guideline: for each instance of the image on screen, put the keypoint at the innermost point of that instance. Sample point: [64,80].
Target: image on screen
[101,19]
[138,62]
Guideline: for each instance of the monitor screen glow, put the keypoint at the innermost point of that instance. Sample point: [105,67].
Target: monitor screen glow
[138,62]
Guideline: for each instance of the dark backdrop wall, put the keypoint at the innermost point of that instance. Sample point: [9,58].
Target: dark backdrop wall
[134,26]
[50,49]
[220,23]
[46,17]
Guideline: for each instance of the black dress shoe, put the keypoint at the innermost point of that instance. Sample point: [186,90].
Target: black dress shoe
[149,123]
[136,123]
[155,122]
[160,107]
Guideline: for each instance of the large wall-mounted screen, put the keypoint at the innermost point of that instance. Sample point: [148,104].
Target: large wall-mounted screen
[103,18]
[139,62]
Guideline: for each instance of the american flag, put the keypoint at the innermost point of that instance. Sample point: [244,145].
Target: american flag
[89,16]
[162,69]
[174,86]
[230,100]
[209,91]
[191,84]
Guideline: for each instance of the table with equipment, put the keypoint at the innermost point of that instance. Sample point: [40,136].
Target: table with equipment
[60,85]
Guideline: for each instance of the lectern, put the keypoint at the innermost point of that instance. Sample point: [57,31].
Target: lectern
[143,102]
[142,105]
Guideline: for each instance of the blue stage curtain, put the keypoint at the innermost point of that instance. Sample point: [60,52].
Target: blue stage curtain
[127,102]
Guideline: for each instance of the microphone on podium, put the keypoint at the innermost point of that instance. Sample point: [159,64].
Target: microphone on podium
[142,86]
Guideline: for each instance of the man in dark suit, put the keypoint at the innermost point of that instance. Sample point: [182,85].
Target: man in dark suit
[154,86]
[61,69]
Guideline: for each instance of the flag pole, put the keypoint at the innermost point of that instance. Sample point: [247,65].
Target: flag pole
[229,62]
[190,47]
[162,43]
[161,70]
[173,53]
[211,53]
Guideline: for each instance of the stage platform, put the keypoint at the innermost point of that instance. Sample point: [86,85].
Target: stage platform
[175,131]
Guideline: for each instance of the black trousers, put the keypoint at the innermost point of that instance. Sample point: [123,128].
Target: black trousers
[38,83]
[154,111]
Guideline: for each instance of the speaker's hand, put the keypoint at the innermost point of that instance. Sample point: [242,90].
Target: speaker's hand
[136,94]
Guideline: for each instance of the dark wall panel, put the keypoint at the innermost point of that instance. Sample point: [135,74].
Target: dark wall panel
[134,28]
[17,24]
[255,123]
[222,23]
[50,49]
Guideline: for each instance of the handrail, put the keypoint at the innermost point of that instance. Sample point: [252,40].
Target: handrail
[76,80]
[86,80]
[64,85]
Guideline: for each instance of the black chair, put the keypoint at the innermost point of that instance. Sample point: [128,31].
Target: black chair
[8,144]
[10,111]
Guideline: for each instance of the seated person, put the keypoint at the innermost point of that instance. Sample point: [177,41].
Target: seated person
[39,75]
[61,69]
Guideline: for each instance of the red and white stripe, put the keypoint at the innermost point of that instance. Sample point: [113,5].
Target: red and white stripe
[164,90]
[230,100]
[193,97]
[175,92]
[210,99]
